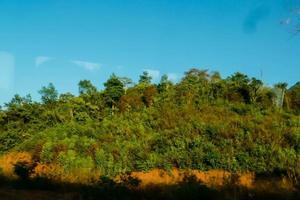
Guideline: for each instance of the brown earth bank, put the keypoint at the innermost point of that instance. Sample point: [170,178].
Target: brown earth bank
[52,182]
[156,184]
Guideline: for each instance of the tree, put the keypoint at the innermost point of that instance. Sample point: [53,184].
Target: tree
[18,101]
[148,95]
[114,89]
[132,100]
[196,75]
[254,87]
[239,87]
[239,79]
[145,78]
[164,84]
[66,97]
[193,86]
[294,97]
[216,85]
[126,82]
[282,87]
[266,97]
[86,87]
[215,77]
[49,94]
[197,78]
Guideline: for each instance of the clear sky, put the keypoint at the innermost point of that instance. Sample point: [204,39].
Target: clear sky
[64,41]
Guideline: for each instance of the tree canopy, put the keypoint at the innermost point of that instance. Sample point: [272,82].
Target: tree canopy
[202,122]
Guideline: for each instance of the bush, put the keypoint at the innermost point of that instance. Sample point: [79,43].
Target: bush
[23,169]
[70,160]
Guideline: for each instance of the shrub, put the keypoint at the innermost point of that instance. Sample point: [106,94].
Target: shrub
[70,160]
[23,169]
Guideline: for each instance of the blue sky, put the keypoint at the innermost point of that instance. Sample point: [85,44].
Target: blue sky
[64,41]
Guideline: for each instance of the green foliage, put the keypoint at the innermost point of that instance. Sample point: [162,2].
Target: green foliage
[86,87]
[203,122]
[145,78]
[114,89]
[47,153]
[70,160]
[18,101]
[49,94]
[10,139]
[293,98]
[164,84]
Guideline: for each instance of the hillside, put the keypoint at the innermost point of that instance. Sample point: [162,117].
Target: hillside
[203,122]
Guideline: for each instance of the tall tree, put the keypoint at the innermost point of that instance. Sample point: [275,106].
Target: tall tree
[164,84]
[294,97]
[48,94]
[254,88]
[195,75]
[145,78]
[194,85]
[215,77]
[239,79]
[86,87]
[127,82]
[148,95]
[114,89]
[282,87]
[239,87]
[217,86]
[18,101]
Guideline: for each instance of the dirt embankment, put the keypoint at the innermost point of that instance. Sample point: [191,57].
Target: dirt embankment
[211,178]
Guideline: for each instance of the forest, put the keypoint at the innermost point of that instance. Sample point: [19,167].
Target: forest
[203,122]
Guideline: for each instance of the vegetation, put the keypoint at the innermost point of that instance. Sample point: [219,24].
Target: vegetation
[202,122]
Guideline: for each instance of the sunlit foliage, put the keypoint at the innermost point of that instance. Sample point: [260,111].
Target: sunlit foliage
[202,122]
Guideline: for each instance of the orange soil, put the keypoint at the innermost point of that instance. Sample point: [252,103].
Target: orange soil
[216,178]
[8,161]
[51,171]
[211,178]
